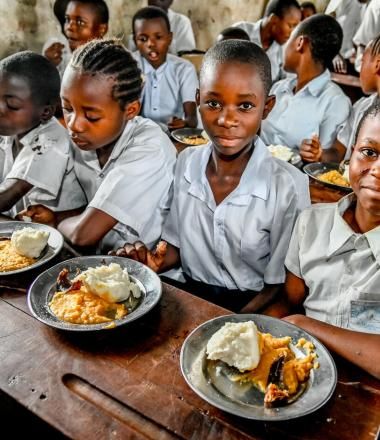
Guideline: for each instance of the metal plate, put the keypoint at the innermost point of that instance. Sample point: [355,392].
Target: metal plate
[244,400]
[179,134]
[42,290]
[315,169]
[53,247]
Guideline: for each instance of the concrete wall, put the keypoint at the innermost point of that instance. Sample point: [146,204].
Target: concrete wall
[26,24]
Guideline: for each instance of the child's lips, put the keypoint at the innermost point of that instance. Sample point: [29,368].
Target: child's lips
[153,55]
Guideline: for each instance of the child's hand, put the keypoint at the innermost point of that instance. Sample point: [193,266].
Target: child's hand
[176,123]
[38,214]
[339,64]
[54,53]
[139,252]
[311,149]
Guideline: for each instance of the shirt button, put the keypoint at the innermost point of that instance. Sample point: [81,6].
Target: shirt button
[154,108]
[223,267]
[101,175]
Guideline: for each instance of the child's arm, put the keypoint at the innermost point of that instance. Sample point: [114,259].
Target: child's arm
[362,349]
[311,151]
[190,120]
[262,299]
[42,214]
[11,191]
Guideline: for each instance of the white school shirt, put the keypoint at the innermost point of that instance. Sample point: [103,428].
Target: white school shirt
[320,107]
[370,25]
[340,267]
[349,14]
[46,162]
[167,88]
[274,51]
[134,185]
[347,133]
[242,242]
[66,52]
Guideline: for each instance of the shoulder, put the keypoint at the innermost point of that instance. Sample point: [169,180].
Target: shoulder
[365,102]
[190,156]
[280,86]
[288,175]
[52,135]
[176,16]
[316,219]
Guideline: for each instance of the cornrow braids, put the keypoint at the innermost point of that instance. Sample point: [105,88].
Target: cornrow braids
[372,112]
[375,46]
[110,57]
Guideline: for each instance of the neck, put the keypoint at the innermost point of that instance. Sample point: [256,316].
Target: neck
[365,220]
[104,153]
[266,33]
[222,165]
[305,75]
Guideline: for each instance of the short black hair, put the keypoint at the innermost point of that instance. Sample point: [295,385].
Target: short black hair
[310,5]
[325,36]
[280,7]
[110,57]
[100,7]
[234,33]
[372,112]
[239,51]
[39,73]
[150,13]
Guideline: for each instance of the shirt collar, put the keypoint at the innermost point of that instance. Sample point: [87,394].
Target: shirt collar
[314,87]
[6,141]
[148,69]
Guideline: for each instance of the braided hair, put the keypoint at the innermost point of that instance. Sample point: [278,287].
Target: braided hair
[372,112]
[110,57]
[375,46]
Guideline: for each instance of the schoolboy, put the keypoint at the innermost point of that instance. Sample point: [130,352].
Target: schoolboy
[81,21]
[307,9]
[310,109]
[36,164]
[232,33]
[170,82]
[272,31]
[334,257]
[234,206]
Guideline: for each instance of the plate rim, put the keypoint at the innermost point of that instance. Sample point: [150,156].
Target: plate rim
[335,166]
[279,417]
[92,327]
[178,139]
[39,262]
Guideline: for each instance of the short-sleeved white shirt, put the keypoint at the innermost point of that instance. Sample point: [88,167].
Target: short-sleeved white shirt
[167,88]
[320,107]
[46,162]
[341,268]
[347,133]
[242,242]
[66,52]
[274,51]
[370,25]
[134,185]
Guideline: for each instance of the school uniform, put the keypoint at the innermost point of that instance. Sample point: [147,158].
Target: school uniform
[242,242]
[339,266]
[167,88]
[133,187]
[66,52]
[46,162]
[347,133]
[274,51]
[320,107]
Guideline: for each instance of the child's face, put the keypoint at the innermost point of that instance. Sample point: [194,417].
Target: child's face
[163,4]
[369,71]
[283,26]
[306,12]
[232,104]
[93,117]
[153,40]
[18,112]
[291,54]
[82,24]
[365,166]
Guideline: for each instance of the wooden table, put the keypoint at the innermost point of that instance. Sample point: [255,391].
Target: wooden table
[350,84]
[126,383]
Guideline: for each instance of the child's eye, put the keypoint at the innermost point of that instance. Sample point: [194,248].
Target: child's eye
[66,109]
[11,107]
[80,23]
[92,118]
[213,104]
[246,106]
[369,152]
[142,39]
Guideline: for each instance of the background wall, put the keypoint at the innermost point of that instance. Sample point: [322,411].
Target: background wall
[26,24]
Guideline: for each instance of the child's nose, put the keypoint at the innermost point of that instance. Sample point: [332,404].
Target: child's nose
[375,168]
[227,118]
[75,124]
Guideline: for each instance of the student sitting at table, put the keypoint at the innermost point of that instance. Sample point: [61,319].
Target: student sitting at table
[272,31]
[310,109]
[232,33]
[36,164]
[124,163]
[170,82]
[81,21]
[370,83]
[234,205]
[334,260]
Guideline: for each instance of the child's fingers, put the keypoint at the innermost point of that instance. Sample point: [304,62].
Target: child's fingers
[141,251]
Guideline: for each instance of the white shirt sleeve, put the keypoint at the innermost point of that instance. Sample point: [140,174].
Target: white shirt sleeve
[370,26]
[292,260]
[183,34]
[188,83]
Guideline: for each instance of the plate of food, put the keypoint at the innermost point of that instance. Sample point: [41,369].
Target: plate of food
[258,367]
[94,293]
[25,246]
[190,136]
[329,174]
[285,153]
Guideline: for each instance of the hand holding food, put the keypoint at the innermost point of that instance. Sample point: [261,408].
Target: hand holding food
[54,53]
[176,123]
[311,149]
[38,214]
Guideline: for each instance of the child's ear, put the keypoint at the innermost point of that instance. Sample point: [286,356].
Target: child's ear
[47,112]
[132,109]
[301,43]
[377,65]
[197,97]
[269,104]
[171,37]
[102,29]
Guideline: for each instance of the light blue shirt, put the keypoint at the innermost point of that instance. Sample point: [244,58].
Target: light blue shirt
[320,108]
[167,88]
[242,242]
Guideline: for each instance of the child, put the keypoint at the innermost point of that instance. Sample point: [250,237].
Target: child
[272,31]
[370,83]
[170,82]
[234,206]
[333,260]
[310,109]
[307,10]
[36,164]
[81,21]
[232,33]
[123,162]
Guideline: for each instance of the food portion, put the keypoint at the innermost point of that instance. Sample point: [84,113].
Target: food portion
[194,140]
[22,249]
[334,177]
[266,362]
[281,152]
[94,296]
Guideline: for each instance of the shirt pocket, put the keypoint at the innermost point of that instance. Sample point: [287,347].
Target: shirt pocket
[365,316]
